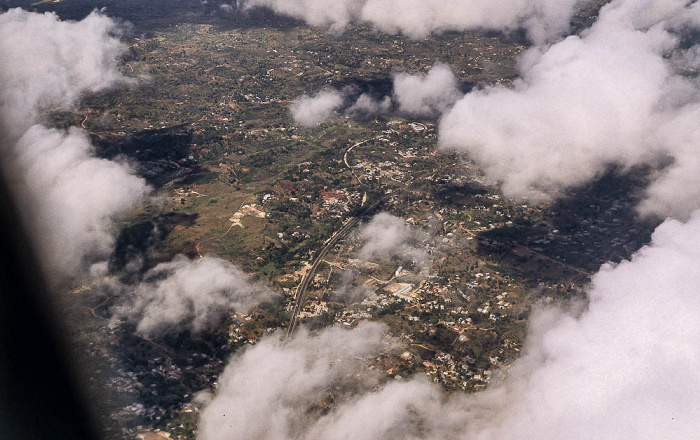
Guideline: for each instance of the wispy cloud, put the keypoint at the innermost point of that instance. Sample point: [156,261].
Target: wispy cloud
[187,294]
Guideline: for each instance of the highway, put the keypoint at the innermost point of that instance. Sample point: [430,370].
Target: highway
[342,232]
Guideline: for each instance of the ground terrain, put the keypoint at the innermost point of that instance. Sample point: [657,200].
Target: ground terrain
[206,120]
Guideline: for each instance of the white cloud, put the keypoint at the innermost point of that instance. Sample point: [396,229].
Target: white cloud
[188,294]
[311,111]
[226,8]
[67,195]
[50,63]
[626,367]
[387,236]
[72,196]
[274,390]
[368,107]
[607,97]
[426,95]
[543,19]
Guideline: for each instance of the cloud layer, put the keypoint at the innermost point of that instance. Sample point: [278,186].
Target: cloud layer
[543,19]
[68,196]
[626,367]
[618,94]
[609,96]
[368,107]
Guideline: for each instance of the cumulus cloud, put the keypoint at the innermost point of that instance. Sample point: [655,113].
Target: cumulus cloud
[626,364]
[543,19]
[609,96]
[74,195]
[625,367]
[368,107]
[277,389]
[68,196]
[675,191]
[387,236]
[188,294]
[426,95]
[53,63]
[311,111]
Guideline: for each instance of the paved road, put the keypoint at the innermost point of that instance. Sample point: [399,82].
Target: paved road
[342,232]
